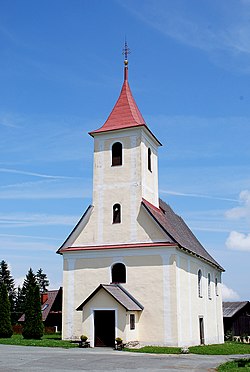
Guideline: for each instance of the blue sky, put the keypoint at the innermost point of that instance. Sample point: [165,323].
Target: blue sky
[61,70]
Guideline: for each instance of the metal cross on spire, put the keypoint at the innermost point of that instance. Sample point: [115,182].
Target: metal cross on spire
[125,52]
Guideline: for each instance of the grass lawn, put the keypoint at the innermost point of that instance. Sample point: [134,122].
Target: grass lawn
[221,349]
[156,350]
[53,340]
[237,365]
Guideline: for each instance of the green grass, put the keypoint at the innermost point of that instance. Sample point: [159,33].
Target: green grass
[156,350]
[236,365]
[221,349]
[53,340]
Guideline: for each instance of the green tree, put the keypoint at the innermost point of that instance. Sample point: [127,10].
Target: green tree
[33,324]
[5,323]
[19,303]
[7,279]
[42,281]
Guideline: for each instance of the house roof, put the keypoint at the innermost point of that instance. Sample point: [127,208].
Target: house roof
[177,229]
[46,306]
[231,308]
[125,113]
[119,294]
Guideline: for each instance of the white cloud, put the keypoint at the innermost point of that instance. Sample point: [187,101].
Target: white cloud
[35,174]
[35,219]
[221,31]
[242,211]
[176,193]
[228,294]
[28,236]
[32,247]
[49,189]
[238,241]
[19,281]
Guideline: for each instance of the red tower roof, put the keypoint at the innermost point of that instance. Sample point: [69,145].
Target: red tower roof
[125,113]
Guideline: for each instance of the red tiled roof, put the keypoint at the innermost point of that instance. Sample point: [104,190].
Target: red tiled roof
[125,113]
[46,307]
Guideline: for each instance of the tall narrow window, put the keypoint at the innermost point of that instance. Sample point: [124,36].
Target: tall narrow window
[132,321]
[216,287]
[149,160]
[119,273]
[116,213]
[117,154]
[209,285]
[200,283]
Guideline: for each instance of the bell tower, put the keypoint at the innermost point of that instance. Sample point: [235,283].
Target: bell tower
[125,164]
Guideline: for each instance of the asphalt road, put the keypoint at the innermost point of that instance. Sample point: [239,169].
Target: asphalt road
[26,359]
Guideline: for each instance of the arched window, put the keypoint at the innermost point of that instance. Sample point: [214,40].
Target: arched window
[216,287]
[149,160]
[116,213]
[200,283]
[209,285]
[119,273]
[117,154]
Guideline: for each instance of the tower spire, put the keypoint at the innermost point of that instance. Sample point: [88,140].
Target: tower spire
[126,52]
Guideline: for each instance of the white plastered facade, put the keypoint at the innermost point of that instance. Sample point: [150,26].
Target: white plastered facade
[163,281]
[162,278]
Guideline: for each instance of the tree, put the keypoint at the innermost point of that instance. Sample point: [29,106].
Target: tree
[7,279]
[33,324]
[42,281]
[19,303]
[5,324]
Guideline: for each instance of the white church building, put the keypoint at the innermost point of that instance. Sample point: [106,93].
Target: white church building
[131,267]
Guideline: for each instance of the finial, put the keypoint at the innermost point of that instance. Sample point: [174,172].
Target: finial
[125,52]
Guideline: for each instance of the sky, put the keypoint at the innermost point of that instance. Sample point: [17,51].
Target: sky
[61,71]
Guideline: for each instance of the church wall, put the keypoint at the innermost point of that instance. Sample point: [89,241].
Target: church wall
[149,178]
[163,280]
[210,308]
[144,282]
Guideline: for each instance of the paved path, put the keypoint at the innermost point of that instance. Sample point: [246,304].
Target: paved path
[27,359]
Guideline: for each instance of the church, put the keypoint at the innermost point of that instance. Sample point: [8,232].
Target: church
[132,268]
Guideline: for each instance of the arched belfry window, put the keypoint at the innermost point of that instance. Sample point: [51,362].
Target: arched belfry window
[117,154]
[149,160]
[118,273]
[116,213]
[200,283]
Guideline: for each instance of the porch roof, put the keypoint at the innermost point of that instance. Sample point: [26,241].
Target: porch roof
[119,293]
